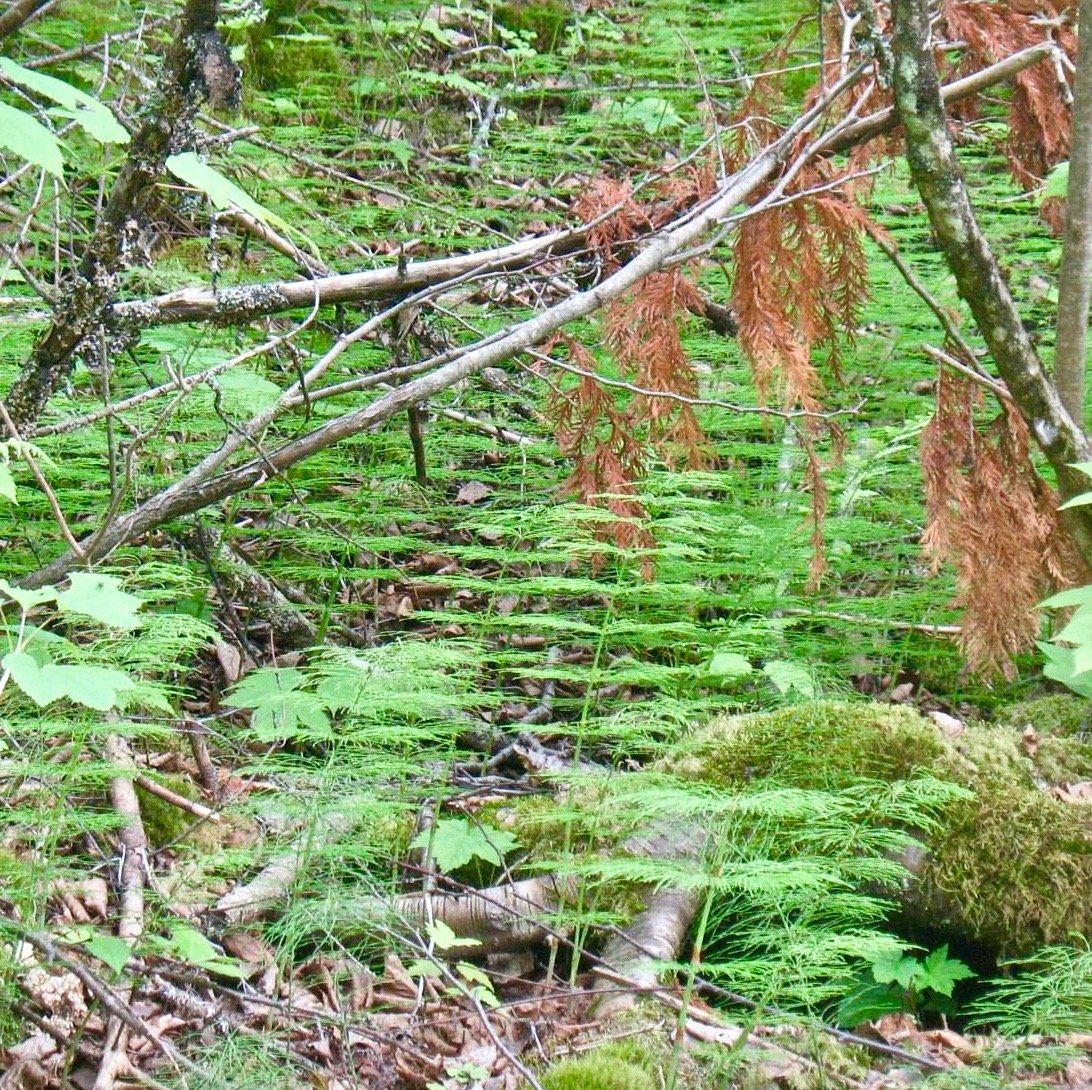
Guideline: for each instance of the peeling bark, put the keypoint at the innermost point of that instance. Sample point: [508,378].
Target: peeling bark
[936,174]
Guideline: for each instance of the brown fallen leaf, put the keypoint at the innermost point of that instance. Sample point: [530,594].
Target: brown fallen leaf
[473,492]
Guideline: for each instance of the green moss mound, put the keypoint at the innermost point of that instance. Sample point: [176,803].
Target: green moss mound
[598,1072]
[1009,868]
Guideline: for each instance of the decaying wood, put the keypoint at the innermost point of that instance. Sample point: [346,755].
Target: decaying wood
[268,888]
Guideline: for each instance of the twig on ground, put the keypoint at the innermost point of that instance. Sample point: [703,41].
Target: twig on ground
[111,1001]
[172,797]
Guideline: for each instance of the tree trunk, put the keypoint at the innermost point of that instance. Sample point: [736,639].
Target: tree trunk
[1075,278]
[936,174]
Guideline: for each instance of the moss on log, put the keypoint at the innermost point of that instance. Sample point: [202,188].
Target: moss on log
[1010,868]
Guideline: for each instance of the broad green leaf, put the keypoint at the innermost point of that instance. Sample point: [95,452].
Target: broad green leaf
[729,664]
[443,938]
[790,675]
[30,139]
[27,599]
[896,967]
[101,598]
[1082,658]
[1083,467]
[7,481]
[422,968]
[92,686]
[469,971]
[189,945]
[869,1003]
[1083,500]
[221,190]
[940,972]
[1076,596]
[110,950]
[455,842]
[1079,628]
[281,705]
[91,115]
[1059,667]
[1057,182]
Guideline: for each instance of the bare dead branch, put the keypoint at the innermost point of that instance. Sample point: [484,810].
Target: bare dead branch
[199,487]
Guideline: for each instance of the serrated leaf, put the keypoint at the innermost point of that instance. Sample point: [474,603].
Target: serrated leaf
[92,686]
[92,116]
[790,675]
[729,664]
[455,842]
[110,950]
[30,139]
[940,972]
[27,599]
[219,189]
[101,598]
[281,705]
[895,967]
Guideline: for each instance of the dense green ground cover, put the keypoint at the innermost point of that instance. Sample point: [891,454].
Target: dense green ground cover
[468,601]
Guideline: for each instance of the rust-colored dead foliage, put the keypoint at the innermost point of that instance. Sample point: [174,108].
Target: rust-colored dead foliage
[991,516]
[799,282]
[607,457]
[1038,135]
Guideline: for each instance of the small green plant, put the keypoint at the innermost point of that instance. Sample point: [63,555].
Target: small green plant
[1069,651]
[898,981]
[1052,995]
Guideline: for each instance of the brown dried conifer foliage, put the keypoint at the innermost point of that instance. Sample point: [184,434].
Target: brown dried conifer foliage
[1038,135]
[990,515]
[607,458]
[800,279]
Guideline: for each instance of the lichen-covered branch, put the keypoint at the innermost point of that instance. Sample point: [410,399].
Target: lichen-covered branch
[936,174]
[91,286]
[200,488]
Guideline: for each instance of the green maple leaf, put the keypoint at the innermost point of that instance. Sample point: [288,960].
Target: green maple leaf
[454,842]
[92,686]
[101,598]
[281,705]
[941,972]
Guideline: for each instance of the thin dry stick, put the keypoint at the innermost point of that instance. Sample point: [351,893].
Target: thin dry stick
[133,842]
[175,799]
[991,384]
[111,1001]
[43,484]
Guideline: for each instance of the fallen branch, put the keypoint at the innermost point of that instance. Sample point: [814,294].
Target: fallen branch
[198,489]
